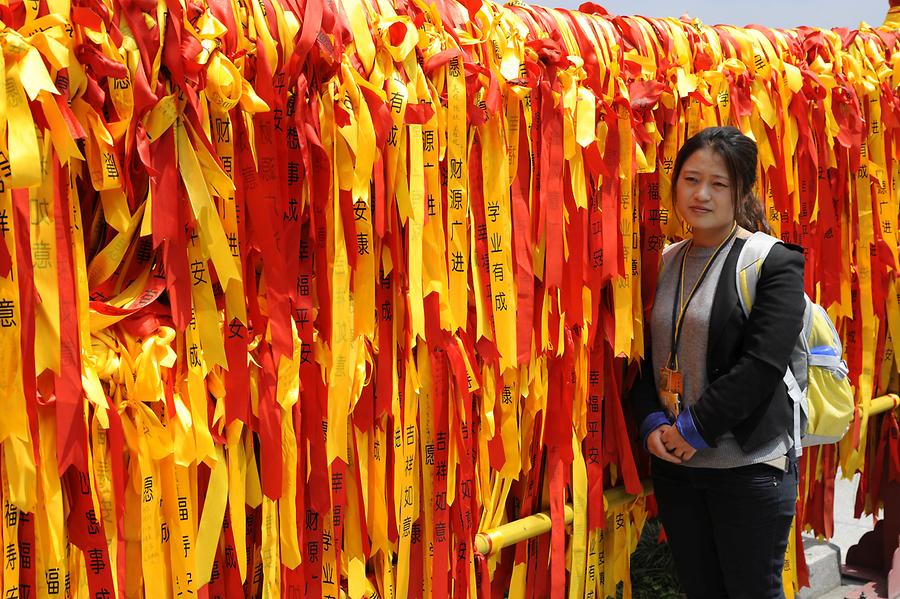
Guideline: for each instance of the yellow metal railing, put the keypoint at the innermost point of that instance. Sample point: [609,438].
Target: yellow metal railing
[514,532]
[885,403]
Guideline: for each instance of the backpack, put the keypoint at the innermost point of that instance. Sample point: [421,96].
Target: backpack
[816,376]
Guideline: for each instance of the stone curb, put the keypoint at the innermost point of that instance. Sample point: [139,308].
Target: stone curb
[824,562]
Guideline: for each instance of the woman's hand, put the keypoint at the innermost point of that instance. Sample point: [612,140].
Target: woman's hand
[675,444]
[657,447]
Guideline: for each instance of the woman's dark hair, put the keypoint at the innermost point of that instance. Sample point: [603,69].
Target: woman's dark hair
[739,153]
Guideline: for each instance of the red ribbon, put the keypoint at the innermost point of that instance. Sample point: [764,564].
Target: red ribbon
[269,426]
[27,297]
[85,528]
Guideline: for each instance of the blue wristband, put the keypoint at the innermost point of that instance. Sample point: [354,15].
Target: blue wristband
[688,430]
[653,421]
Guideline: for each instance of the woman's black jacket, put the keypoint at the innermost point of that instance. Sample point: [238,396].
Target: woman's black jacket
[746,357]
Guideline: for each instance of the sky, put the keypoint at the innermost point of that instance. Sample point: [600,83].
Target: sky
[770,13]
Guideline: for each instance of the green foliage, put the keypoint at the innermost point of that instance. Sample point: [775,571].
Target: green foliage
[652,567]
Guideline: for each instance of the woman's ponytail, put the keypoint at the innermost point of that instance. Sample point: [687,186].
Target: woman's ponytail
[750,213]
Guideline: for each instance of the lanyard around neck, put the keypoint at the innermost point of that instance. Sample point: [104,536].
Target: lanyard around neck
[679,309]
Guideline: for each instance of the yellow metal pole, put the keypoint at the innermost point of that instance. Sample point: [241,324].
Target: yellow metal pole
[885,403]
[514,532]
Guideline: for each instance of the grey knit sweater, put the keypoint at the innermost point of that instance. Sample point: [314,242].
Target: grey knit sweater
[692,349]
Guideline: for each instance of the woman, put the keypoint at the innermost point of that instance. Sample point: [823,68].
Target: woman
[713,409]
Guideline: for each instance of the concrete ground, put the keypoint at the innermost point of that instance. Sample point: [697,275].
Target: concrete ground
[847,529]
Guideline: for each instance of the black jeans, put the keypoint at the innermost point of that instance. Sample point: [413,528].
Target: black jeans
[727,528]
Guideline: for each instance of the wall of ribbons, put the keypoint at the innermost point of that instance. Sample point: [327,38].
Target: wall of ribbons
[296,298]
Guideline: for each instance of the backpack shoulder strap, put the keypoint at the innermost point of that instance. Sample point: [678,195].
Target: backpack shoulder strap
[669,254]
[673,248]
[749,264]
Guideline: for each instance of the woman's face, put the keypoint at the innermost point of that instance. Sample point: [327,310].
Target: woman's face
[703,196]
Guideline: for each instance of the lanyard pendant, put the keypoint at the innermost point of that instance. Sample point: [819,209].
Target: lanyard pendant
[670,402]
[670,379]
[671,386]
